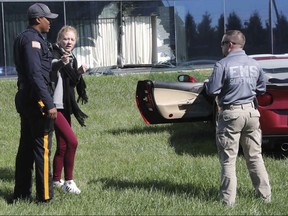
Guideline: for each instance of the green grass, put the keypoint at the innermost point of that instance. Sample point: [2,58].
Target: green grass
[125,167]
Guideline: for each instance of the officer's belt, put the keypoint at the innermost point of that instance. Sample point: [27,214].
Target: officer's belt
[237,106]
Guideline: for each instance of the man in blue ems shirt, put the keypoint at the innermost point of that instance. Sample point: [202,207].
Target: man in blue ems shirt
[235,82]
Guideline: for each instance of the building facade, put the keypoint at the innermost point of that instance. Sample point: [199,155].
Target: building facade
[131,33]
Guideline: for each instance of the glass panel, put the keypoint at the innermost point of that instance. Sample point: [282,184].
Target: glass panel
[96,24]
[199,28]
[146,33]
[252,18]
[280,26]
[165,34]
[15,21]
[56,25]
[2,62]
[182,31]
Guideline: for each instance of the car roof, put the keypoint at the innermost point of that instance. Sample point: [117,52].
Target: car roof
[270,61]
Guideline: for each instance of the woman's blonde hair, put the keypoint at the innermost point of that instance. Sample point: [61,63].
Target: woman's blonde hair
[65,29]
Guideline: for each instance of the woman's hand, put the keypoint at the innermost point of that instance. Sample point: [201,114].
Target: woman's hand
[65,59]
[82,69]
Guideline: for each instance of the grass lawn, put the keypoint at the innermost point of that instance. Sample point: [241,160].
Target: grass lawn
[125,167]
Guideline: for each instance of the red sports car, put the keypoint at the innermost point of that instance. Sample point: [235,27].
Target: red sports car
[186,101]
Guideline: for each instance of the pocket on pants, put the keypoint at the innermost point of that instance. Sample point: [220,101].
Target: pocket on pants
[221,140]
[228,115]
[255,113]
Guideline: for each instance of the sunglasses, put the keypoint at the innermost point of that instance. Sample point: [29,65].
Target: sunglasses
[226,42]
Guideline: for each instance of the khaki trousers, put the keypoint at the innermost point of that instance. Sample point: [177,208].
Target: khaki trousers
[240,125]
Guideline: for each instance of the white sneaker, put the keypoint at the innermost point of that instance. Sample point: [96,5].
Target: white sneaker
[70,187]
[267,199]
[58,184]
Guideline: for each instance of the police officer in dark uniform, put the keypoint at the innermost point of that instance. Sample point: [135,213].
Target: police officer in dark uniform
[35,105]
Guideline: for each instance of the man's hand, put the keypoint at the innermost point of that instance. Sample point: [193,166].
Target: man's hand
[52,113]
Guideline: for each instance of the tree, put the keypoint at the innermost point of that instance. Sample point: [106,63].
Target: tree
[255,35]
[191,34]
[233,22]
[206,37]
[281,34]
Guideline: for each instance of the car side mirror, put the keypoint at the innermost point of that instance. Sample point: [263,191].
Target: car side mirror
[186,78]
[183,78]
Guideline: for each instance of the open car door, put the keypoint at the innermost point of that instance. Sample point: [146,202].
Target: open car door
[170,102]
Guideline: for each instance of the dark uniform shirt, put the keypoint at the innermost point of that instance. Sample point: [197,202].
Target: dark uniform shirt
[33,58]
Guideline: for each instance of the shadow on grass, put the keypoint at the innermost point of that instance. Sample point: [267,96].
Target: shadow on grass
[6,175]
[275,154]
[201,192]
[196,138]
[149,129]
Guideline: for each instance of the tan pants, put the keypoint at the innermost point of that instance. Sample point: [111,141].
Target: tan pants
[240,125]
